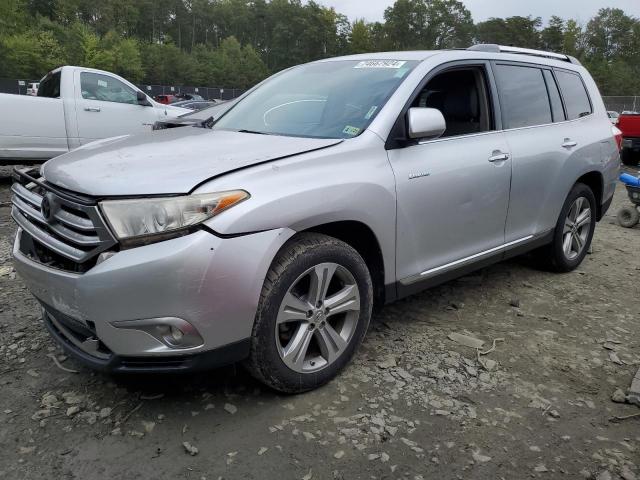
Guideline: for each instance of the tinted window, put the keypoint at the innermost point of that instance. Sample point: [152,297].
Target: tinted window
[554,97]
[523,96]
[108,89]
[50,86]
[461,97]
[575,95]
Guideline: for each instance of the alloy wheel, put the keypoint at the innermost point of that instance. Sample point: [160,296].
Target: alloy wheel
[576,230]
[317,318]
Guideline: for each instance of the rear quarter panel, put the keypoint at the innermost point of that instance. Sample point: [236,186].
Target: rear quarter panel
[596,151]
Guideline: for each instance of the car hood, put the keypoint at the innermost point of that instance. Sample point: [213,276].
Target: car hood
[172,111]
[167,161]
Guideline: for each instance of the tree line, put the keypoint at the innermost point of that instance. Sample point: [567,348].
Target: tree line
[236,43]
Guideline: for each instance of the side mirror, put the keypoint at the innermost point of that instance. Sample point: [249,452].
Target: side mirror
[425,123]
[142,99]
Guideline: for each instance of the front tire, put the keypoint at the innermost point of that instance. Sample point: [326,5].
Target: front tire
[573,232]
[313,313]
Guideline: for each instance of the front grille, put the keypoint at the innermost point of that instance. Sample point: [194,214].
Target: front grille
[65,233]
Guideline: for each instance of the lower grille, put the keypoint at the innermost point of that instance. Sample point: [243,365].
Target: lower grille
[78,334]
[63,232]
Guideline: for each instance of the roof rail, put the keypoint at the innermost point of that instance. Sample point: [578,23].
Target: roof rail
[494,48]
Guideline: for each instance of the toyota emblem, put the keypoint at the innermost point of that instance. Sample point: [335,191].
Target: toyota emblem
[46,208]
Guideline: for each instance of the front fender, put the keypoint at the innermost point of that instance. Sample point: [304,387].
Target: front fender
[352,181]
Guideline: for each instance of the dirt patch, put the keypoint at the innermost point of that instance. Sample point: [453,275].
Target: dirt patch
[414,404]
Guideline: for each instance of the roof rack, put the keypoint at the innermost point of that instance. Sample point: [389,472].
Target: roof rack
[494,48]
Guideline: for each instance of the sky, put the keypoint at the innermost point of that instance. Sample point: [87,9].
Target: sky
[581,10]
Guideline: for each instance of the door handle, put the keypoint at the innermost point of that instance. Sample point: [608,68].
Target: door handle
[568,143]
[499,157]
[91,109]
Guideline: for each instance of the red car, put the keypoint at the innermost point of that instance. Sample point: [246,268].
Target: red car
[165,99]
[629,124]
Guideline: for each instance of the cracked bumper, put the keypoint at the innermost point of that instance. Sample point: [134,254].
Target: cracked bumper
[213,283]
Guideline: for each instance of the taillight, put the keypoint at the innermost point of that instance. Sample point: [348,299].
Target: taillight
[617,135]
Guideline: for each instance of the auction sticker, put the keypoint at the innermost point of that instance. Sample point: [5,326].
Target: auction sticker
[351,131]
[380,64]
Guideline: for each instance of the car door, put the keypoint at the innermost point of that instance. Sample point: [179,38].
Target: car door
[452,192]
[535,129]
[107,107]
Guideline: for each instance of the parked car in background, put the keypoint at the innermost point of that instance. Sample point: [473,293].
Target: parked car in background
[189,96]
[629,124]
[74,106]
[195,104]
[32,89]
[613,116]
[203,118]
[268,234]
[166,99]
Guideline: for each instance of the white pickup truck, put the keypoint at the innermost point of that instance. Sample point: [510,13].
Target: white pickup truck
[74,106]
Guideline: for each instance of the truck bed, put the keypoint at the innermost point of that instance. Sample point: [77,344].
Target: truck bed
[31,128]
[629,124]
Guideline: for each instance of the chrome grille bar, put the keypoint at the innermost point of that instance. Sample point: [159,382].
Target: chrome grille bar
[76,231]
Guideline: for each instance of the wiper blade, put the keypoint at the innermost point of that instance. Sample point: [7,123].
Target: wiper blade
[254,132]
[208,123]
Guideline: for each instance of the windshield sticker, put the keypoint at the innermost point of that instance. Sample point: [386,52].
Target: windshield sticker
[351,131]
[395,64]
[401,73]
[370,113]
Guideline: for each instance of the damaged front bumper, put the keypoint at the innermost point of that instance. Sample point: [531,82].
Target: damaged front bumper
[210,283]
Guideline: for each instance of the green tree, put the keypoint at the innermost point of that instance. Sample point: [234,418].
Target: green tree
[515,31]
[360,37]
[553,35]
[573,39]
[30,54]
[611,34]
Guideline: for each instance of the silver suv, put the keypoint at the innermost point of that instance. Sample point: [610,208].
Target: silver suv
[268,235]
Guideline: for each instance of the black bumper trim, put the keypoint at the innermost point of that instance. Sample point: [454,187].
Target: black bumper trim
[225,355]
[604,208]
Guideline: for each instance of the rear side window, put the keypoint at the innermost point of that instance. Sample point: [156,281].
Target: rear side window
[554,97]
[523,96]
[575,95]
[50,86]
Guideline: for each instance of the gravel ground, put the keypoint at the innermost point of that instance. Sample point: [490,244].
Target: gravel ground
[413,404]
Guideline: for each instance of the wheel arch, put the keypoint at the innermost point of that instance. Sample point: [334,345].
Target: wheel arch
[361,238]
[595,181]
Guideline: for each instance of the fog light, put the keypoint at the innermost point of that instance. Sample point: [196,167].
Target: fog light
[176,333]
[171,331]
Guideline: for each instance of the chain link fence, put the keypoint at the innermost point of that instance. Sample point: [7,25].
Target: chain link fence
[622,104]
[19,87]
[10,85]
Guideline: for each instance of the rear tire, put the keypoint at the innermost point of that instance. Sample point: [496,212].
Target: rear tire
[573,232]
[628,217]
[313,313]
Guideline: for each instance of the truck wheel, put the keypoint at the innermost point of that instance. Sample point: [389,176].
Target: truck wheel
[573,232]
[629,157]
[313,313]
[628,217]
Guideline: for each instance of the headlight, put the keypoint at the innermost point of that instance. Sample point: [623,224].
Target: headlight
[156,216]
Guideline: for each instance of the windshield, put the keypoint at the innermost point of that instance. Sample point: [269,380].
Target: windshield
[336,99]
